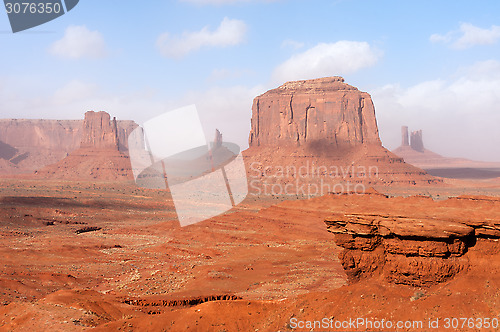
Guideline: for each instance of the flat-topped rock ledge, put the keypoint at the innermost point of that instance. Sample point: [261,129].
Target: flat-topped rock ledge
[411,251]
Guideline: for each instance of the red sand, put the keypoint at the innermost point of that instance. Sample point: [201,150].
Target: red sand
[245,270]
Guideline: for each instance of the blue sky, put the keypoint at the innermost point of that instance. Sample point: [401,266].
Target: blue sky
[431,65]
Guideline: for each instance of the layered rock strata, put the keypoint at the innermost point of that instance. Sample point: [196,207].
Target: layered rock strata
[408,250]
[38,143]
[325,110]
[99,156]
[320,132]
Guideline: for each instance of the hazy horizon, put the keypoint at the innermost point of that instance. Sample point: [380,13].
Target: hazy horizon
[137,62]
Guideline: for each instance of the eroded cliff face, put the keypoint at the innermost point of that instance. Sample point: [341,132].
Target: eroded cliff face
[325,110]
[124,127]
[413,250]
[328,130]
[31,144]
[99,131]
[47,134]
[98,157]
[27,145]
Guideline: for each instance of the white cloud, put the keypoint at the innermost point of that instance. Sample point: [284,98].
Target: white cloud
[473,35]
[483,70]
[340,58]
[459,116]
[74,91]
[436,38]
[79,42]
[292,43]
[468,36]
[230,32]
[227,74]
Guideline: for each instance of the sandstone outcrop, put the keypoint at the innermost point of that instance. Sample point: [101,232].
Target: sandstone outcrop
[418,251]
[38,143]
[99,131]
[416,141]
[99,156]
[325,110]
[404,136]
[47,134]
[327,129]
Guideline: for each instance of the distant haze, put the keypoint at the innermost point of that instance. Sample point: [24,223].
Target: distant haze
[137,62]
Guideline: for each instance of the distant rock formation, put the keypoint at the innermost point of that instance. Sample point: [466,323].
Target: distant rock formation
[416,154]
[38,143]
[99,156]
[327,129]
[325,110]
[416,141]
[404,136]
[217,139]
[99,132]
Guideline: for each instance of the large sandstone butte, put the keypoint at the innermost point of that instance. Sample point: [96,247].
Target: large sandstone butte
[99,156]
[27,145]
[325,110]
[328,129]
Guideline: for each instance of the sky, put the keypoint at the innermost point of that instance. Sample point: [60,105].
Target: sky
[430,65]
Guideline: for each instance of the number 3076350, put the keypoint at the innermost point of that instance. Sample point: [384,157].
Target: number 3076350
[33,8]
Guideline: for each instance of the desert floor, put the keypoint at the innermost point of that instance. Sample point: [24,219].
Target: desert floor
[79,255]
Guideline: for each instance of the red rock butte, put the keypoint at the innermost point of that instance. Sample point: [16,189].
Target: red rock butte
[327,123]
[99,131]
[27,145]
[324,109]
[99,156]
